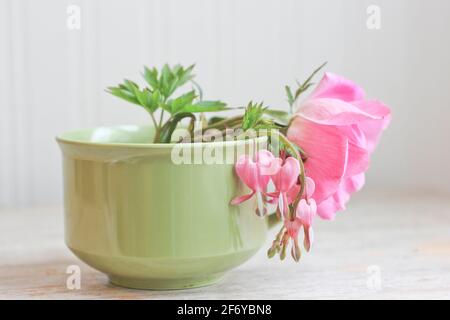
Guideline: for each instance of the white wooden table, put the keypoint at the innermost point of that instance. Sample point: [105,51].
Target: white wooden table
[383,246]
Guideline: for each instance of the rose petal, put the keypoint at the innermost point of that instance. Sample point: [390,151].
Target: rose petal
[336,112]
[357,161]
[327,151]
[337,202]
[372,129]
[354,183]
[327,209]
[337,87]
[310,187]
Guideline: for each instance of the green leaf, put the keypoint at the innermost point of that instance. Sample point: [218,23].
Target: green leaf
[179,103]
[151,77]
[168,80]
[141,97]
[205,106]
[199,89]
[130,85]
[177,68]
[314,73]
[280,116]
[289,95]
[185,75]
[149,103]
[154,99]
[307,83]
[253,114]
[123,94]
[180,76]
[165,81]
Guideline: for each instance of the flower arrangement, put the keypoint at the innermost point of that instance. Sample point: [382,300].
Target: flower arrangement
[324,143]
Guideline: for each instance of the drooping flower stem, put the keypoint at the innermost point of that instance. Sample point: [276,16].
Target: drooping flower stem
[297,155]
[302,183]
[276,244]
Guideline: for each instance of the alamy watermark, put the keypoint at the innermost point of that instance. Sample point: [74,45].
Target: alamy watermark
[220,147]
[73,21]
[374,279]
[73,281]
[373,21]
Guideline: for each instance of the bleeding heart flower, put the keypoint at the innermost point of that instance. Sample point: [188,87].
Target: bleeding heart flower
[293,227]
[284,181]
[338,129]
[306,211]
[256,175]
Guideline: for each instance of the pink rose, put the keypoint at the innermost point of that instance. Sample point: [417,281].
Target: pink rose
[338,129]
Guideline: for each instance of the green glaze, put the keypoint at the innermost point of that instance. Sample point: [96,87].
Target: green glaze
[148,223]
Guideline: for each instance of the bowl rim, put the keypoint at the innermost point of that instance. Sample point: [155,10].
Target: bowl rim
[64,140]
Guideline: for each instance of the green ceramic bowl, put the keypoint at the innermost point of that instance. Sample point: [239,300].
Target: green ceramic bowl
[148,223]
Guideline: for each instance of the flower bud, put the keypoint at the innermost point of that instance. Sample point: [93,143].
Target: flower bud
[271,252]
[295,251]
[283,251]
[278,246]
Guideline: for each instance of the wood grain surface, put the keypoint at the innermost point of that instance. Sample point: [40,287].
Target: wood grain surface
[382,247]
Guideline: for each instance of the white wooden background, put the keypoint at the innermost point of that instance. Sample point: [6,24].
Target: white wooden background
[52,78]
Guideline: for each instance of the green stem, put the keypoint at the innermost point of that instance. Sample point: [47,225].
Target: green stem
[157,128]
[161,117]
[297,155]
[221,125]
[171,124]
[153,119]
[224,122]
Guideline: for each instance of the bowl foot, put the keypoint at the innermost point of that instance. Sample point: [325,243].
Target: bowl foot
[164,284]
